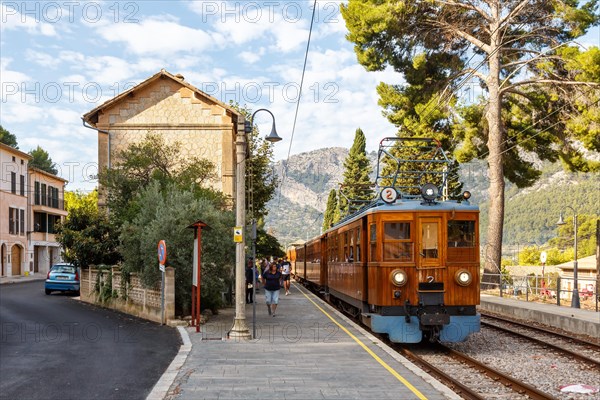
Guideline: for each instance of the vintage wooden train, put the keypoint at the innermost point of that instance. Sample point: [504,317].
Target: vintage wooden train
[407,264]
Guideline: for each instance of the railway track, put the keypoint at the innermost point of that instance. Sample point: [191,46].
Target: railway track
[477,379]
[580,349]
[468,377]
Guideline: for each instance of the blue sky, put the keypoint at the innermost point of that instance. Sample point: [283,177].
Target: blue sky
[61,59]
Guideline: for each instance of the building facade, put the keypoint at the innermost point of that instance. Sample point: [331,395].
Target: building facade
[14,215]
[46,199]
[31,204]
[167,105]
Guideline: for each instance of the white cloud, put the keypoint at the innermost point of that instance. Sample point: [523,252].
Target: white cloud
[43,59]
[20,113]
[250,57]
[157,35]
[11,76]
[62,115]
[29,17]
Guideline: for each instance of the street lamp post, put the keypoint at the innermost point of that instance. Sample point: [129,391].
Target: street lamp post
[240,330]
[575,299]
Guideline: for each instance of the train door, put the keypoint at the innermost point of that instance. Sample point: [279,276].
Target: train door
[430,248]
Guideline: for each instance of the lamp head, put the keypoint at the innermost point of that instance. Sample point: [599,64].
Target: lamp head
[273,137]
[560,220]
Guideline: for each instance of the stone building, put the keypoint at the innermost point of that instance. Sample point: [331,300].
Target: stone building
[166,104]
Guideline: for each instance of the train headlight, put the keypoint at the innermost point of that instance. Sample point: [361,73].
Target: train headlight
[429,192]
[463,277]
[398,277]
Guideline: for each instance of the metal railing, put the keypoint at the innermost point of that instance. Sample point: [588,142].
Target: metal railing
[541,288]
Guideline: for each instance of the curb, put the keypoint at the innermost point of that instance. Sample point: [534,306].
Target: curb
[161,389]
[10,280]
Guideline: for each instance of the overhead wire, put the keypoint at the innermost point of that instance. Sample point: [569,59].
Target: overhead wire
[285,167]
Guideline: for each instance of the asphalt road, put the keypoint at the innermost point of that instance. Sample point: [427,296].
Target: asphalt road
[55,347]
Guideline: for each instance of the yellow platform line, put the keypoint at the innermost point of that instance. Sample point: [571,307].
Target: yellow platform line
[371,353]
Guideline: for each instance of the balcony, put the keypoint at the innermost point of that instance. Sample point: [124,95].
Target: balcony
[56,207]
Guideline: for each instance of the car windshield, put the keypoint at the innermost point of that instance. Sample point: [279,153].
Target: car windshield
[64,268]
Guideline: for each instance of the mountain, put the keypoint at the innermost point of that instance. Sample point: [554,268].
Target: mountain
[296,211]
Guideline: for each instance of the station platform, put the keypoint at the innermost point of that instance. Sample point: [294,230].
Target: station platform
[308,351]
[575,320]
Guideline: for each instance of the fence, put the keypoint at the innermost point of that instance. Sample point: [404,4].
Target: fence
[105,287]
[540,288]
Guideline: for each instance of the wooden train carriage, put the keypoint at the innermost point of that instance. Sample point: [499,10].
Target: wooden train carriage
[416,241]
[423,269]
[315,267]
[346,262]
[300,270]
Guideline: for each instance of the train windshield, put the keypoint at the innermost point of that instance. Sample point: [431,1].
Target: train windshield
[461,233]
[397,243]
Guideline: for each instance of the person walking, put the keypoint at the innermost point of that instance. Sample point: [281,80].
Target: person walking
[286,272]
[271,286]
[249,281]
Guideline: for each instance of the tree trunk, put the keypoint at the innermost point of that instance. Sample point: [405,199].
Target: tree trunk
[493,248]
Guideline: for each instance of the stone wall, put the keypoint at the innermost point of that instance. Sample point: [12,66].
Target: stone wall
[131,298]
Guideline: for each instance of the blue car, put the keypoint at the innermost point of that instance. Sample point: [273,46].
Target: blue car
[62,278]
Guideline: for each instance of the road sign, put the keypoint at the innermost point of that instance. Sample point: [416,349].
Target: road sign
[162,252]
[238,236]
[543,257]
[161,267]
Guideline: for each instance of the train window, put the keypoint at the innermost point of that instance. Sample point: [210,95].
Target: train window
[351,251]
[397,243]
[358,244]
[396,230]
[461,233]
[373,240]
[429,240]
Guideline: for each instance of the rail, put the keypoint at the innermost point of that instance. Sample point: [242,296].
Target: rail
[546,288]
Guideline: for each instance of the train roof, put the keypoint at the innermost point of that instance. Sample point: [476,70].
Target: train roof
[409,206]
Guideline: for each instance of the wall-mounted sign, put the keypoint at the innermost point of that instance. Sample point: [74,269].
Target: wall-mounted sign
[238,234]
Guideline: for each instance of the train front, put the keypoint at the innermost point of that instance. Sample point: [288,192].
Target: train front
[423,271]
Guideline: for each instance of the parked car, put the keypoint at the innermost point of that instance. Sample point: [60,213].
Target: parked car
[62,277]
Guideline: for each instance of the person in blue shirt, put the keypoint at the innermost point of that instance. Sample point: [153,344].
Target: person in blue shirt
[271,279]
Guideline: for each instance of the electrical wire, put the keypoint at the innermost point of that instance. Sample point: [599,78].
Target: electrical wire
[284,170]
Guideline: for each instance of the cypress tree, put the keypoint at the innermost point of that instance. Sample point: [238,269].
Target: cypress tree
[330,212]
[357,186]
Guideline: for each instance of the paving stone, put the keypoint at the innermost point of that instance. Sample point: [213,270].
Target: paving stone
[300,355]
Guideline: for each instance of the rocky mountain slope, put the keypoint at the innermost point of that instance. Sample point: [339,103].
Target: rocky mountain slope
[296,211]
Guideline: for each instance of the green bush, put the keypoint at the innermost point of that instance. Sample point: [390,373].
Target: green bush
[166,215]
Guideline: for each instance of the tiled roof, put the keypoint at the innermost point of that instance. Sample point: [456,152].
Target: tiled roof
[91,117]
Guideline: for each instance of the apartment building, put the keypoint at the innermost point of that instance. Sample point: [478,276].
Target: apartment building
[47,209]
[31,203]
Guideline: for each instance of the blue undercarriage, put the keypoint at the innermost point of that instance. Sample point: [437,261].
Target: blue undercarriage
[400,331]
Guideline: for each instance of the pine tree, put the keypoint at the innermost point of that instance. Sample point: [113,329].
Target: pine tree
[357,186]
[330,212]
[41,159]
[538,92]
[8,138]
